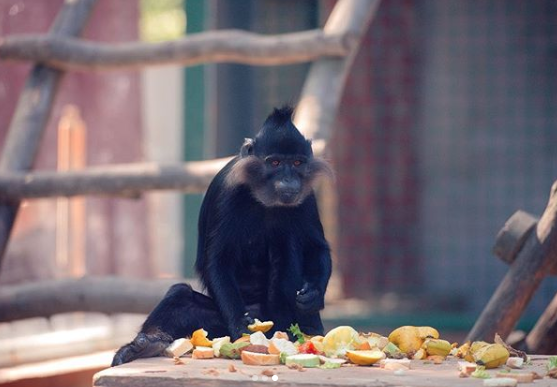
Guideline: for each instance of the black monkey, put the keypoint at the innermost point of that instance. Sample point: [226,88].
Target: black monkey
[261,249]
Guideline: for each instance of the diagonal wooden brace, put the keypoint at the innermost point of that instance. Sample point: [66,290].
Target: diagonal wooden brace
[33,110]
[533,262]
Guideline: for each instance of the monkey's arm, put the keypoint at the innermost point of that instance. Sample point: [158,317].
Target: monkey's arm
[317,265]
[225,291]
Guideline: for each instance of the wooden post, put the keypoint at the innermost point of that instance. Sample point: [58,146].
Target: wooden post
[322,91]
[543,338]
[33,110]
[532,264]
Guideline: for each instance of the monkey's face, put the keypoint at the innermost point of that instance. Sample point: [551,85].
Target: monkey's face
[278,179]
[286,181]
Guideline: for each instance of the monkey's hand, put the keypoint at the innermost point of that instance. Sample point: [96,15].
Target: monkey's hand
[310,299]
[238,329]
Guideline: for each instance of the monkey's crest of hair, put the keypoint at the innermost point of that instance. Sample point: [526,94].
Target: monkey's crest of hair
[279,135]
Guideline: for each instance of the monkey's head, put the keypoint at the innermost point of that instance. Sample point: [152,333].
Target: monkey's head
[278,164]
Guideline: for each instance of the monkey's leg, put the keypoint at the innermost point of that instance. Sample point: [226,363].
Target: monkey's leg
[310,323]
[181,311]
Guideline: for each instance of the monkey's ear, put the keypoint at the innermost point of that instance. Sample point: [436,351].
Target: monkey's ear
[247,148]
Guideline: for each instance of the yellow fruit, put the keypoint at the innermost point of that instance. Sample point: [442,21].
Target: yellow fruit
[477,345]
[339,340]
[365,357]
[437,347]
[316,339]
[261,326]
[199,338]
[491,355]
[407,338]
[420,354]
[363,344]
[428,332]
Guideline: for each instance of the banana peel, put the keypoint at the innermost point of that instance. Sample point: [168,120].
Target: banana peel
[491,355]
[466,351]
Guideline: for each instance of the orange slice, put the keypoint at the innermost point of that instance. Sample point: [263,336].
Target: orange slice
[199,338]
[365,357]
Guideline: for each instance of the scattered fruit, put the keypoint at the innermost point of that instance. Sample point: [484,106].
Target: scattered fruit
[410,338]
[255,348]
[244,339]
[480,373]
[395,364]
[259,338]
[199,338]
[263,359]
[325,359]
[365,357]
[261,326]
[491,355]
[437,347]
[420,354]
[233,350]
[500,382]
[280,335]
[305,360]
[203,353]
[375,340]
[308,347]
[278,346]
[392,351]
[515,362]
[218,343]
[526,377]
[467,367]
[339,340]
[178,347]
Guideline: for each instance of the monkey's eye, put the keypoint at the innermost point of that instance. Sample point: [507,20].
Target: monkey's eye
[297,163]
[275,163]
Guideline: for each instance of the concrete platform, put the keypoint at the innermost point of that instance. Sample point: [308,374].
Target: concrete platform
[162,372]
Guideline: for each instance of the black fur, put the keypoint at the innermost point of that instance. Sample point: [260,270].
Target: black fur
[261,248]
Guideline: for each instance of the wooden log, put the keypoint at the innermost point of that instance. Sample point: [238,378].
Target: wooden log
[33,110]
[542,339]
[122,180]
[88,294]
[322,91]
[233,46]
[512,236]
[532,264]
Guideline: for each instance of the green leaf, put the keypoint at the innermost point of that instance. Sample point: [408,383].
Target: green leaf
[295,330]
[552,363]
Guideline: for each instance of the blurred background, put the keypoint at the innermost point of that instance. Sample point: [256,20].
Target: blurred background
[446,128]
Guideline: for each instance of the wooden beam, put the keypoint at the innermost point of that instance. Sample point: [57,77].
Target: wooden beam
[512,236]
[324,86]
[215,46]
[542,339]
[33,110]
[532,264]
[121,180]
[88,294]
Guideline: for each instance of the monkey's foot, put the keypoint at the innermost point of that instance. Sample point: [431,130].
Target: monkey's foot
[144,345]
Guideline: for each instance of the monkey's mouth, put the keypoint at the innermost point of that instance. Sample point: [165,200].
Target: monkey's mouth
[288,198]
